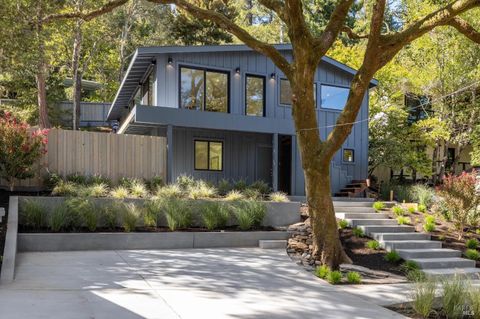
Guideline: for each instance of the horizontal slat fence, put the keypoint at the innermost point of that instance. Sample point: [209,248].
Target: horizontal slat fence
[89,153]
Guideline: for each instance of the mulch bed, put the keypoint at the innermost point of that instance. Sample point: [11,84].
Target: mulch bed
[366,257]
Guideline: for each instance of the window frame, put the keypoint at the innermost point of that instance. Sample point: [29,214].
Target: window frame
[322,84]
[315,93]
[353,155]
[205,70]
[208,141]
[264,102]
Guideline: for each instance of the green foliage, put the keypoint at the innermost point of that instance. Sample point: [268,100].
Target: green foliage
[398,210]
[215,215]
[334,277]
[177,212]
[423,298]
[423,194]
[249,213]
[234,195]
[402,220]
[358,232]
[119,192]
[130,214]
[422,208]
[472,243]
[378,206]
[454,296]
[373,244]
[278,197]
[392,257]
[472,254]
[342,224]
[354,277]
[322,271]
[33,214]
[429,227]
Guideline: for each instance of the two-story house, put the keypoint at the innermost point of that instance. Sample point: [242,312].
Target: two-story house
[226,113]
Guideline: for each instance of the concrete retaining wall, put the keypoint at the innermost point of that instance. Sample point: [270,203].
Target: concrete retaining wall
[278,214]
[126,241]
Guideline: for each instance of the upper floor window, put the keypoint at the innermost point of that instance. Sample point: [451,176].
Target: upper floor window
[334,97]
[286,92]
[255,95]
[208,155]
[204,90]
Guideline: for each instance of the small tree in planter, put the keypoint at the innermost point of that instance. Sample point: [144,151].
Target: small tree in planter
[460,198]
[20,148]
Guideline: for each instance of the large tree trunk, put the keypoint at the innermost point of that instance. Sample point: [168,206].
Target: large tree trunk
[77,75]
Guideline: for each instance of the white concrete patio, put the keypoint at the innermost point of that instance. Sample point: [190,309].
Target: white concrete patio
[197,283]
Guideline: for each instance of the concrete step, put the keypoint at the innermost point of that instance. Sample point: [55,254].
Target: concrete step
[371,222]
[470,273]
[387,229]
[361,215]
[272,244]
[410,244]
[400,236]
[343,209]
[428,253]
[448,263]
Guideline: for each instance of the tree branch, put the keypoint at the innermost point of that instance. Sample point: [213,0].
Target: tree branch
[108,7]
[224,22]
[466,29]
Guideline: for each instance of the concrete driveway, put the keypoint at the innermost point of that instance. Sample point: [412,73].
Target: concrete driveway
[199,283]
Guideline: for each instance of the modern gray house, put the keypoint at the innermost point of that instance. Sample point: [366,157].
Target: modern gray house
[226,113]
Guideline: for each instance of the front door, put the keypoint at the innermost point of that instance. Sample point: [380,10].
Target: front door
[264,164]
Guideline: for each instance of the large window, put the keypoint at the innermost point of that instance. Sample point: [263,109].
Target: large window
[208,155]
[255,95]
[204,90]
[286,92]
[334,97]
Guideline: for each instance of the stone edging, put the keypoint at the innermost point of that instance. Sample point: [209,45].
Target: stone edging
[10,251]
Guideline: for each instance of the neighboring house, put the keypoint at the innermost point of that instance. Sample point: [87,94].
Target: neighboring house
[226,113]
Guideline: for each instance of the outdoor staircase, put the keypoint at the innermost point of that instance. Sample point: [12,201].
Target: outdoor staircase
[356,188]
[418,247]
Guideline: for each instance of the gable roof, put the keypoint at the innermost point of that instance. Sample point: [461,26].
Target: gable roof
[144,57]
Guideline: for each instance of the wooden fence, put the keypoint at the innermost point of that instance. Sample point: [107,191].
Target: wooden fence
[89,153]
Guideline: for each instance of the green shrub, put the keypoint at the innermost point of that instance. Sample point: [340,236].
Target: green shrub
[342,224]
[398,210]
[119,192]
[278,197]
[472,243]
[151,211]
[215,215]
[96,190]
[472,254]
[223,187]
[422,194]
[409,265]
[373,244]
[130,215]
[474,301]
[234,195]
[378,206]
[34,215]
[423,298]
[322,271]
[262,187]
[185,181]
[252,194]
[65,189]
[392,257]
[411,210]
[77,178]
[454,296]
[58,218]
[177,212]
[354,277]
[138,189]
[422,208]
[201,189]
[249,213]
[429,227]
[402,220]
[334,277]
[168,191]
[358,232]
[81,211]
[109,214]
